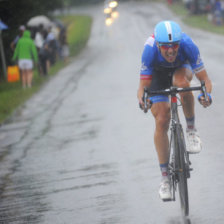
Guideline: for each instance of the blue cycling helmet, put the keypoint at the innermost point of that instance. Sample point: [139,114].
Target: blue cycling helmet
[167,32]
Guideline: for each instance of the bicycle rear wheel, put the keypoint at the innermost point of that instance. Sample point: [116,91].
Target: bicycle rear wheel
[181,164]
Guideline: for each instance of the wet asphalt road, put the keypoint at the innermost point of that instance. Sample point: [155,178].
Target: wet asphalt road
[80,151]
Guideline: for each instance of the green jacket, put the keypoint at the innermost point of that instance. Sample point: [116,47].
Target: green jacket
[25,48]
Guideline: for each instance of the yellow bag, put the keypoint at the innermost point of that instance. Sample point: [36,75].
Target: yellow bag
[13,73]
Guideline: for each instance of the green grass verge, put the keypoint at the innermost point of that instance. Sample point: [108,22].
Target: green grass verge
[12,95]
[197,21]
[78,32]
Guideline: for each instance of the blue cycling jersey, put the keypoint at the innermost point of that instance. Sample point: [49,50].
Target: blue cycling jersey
[188,53]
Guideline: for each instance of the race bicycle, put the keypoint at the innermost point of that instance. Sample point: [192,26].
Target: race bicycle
[179,163]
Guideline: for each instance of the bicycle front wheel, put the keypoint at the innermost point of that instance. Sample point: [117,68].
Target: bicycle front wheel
[181,164]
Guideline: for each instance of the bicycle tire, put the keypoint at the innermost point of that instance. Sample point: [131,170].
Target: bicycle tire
[172,164]
[182,171]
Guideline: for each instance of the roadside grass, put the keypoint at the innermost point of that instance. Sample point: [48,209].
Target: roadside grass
[12,95]
[78,30]
[197,21]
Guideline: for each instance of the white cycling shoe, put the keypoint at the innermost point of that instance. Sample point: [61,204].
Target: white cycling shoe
[165,190]
[194,141]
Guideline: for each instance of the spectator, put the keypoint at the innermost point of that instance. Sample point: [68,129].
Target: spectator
[44,58]
[44,54]
[39,42]
[218,13]
[212,3]
[188,4]
[222,9]
[26,52]
[52,46]
[14,42]
[64,45]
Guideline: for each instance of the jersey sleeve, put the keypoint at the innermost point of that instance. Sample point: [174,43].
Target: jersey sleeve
[147,58]
[193,55]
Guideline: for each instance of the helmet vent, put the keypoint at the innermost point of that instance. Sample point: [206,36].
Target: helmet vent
[170,37]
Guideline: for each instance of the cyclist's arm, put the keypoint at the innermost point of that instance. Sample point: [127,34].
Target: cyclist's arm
[203,76]
[146,68]
[193,55]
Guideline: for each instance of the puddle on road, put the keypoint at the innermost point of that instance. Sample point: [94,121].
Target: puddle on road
[21,202]
[27,198]
[12,133]
[179,220]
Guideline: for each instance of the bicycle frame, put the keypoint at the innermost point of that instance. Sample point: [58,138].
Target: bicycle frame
[175,121]
[176,126]
[179,163]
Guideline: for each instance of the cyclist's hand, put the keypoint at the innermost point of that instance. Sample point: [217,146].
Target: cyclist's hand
[141,106]
[146,107]
[140,98]
[144,103]
[203,102]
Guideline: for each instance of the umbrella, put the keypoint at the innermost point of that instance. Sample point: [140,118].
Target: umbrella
[38,20]
[3,26]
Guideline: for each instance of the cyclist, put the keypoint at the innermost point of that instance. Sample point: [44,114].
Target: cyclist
[170,56]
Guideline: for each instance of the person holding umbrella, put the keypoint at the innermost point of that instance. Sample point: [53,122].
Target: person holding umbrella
[25,53]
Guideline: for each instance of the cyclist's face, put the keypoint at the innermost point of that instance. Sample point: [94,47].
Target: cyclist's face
[169,52]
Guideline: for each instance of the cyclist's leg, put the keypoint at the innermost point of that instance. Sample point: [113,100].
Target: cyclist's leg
[161,113]
[182,78]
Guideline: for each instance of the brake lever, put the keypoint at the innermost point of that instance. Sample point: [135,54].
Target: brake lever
[204,92]
[147,103]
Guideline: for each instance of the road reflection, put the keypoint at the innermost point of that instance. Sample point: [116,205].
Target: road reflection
[187,220]
[22,200]
[183,220]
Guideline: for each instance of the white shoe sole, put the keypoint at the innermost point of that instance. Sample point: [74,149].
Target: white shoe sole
[168,198]
[190,152]
[194,152]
